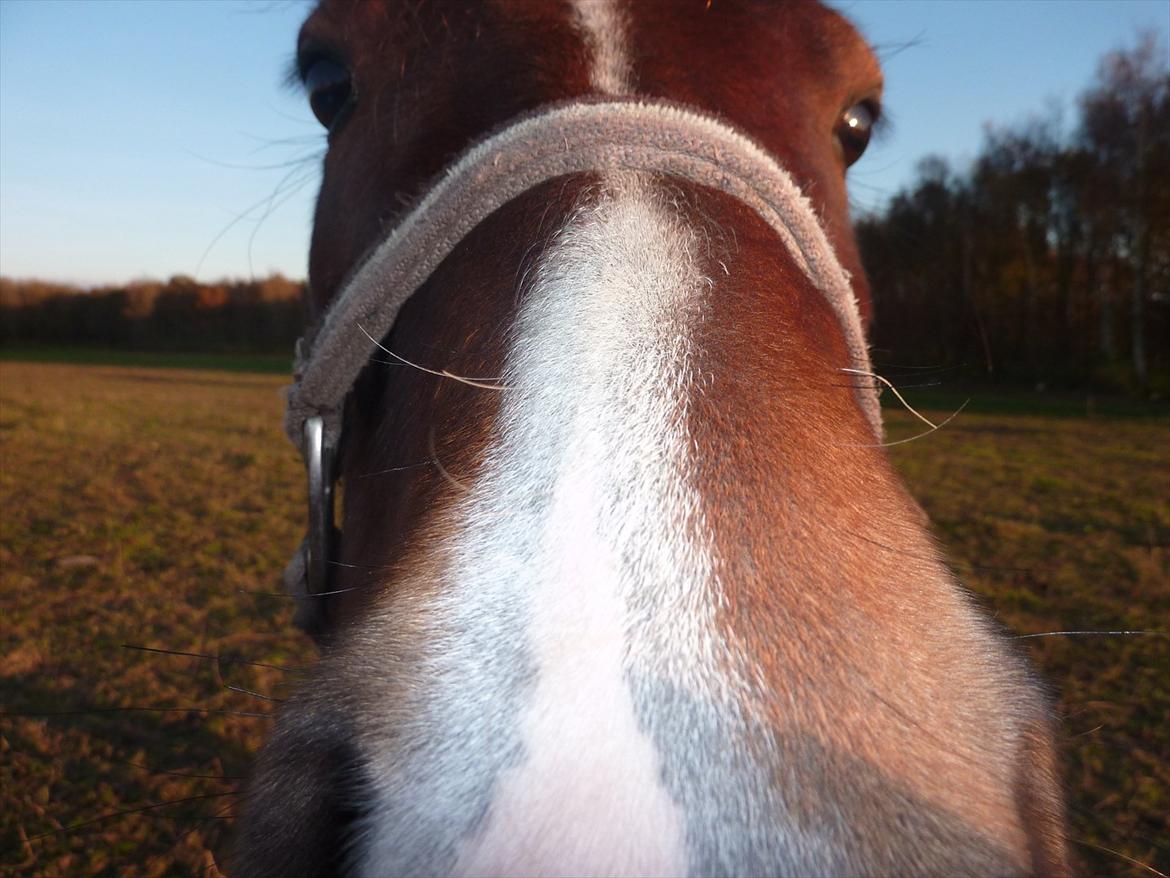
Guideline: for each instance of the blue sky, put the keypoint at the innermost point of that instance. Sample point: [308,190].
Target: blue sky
[150,138]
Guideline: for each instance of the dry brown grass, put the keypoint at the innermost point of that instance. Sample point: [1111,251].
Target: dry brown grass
[140,507]
[149,507]
[1059,524]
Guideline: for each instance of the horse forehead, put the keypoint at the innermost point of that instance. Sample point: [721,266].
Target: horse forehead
[813,36]
[432,77]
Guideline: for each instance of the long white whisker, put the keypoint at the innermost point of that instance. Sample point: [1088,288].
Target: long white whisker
[942,424]
[442,373]
[901,398]
[1094,634]
[1125,857]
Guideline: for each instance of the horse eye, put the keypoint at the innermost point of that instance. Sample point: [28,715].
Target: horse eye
[330,88]
[854,130]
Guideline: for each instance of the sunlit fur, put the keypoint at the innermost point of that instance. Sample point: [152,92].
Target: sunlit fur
[660,607]
[580,536]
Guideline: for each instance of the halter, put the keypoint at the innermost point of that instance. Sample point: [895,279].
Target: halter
[576,137]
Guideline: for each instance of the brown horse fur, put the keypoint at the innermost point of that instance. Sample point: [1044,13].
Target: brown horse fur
[876,723]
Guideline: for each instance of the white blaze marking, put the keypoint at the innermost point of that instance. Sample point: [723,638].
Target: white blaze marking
[581,540]
[603,26]
[596,423]
[583,516]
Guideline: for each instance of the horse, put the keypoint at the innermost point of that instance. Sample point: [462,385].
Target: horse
[624,582]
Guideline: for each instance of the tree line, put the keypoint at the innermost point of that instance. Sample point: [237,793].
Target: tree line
[1047,260]
[179,314]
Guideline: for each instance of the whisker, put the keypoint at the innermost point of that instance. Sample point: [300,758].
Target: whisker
[253,693]
[263,203]
[1094,634]
[128,811]
[368,569]
[95,711]
[207,656]
[442,373]
[919,384]
[223,777]
[289,191]
[321,594]
[886,51]
[296,162]
[878,385]
[1125,857]
[909,368]
[284,595]
[371,567]
[894,389]
[917,436]
[393,469]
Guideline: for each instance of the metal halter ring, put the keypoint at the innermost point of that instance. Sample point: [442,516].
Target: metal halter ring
[319,461]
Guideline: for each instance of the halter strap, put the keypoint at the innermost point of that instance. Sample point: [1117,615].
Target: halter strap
[579,137]
[576,137]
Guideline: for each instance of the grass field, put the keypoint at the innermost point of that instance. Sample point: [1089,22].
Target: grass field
[155,507]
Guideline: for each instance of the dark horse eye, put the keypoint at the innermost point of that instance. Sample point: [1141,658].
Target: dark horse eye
[330,89]
[855,128]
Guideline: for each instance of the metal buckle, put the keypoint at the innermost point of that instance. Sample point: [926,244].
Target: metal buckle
[319,461]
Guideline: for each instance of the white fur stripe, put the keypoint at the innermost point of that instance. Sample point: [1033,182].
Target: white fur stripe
[595,422]
[603,26]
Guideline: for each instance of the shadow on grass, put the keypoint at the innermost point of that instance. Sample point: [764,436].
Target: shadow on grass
[93,769]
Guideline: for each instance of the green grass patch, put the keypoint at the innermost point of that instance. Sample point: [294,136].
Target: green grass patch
[990,400]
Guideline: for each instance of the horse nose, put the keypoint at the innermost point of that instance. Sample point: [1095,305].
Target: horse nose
[303,801]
